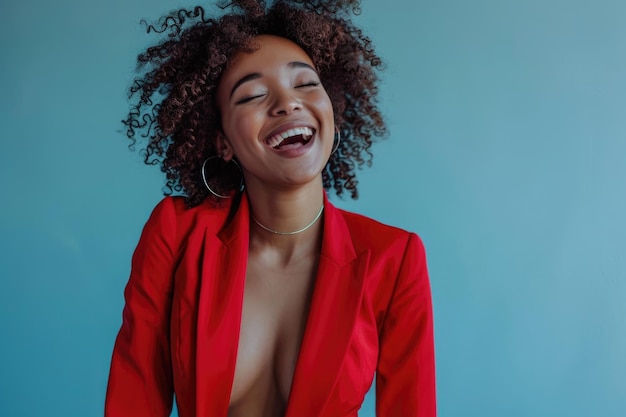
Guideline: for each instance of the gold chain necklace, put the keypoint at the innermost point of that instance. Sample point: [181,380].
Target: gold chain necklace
[276,232]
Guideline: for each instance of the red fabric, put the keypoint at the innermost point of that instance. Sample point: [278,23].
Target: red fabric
[371,312]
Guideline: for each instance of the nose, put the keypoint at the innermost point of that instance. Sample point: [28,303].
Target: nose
[285,103]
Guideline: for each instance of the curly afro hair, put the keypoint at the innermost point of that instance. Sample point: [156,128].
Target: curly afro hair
[175,107]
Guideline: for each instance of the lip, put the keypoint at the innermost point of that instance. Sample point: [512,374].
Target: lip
[285,127]
[293,152]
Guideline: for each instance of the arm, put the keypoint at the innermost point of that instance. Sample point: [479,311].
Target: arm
[405,379]
[140,380]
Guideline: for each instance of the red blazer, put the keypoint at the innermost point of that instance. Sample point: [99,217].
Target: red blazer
[370,313]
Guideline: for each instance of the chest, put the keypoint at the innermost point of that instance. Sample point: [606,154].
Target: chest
[275,309]
[223,344]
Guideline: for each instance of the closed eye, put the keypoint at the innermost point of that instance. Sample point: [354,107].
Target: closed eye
[249,98]
[309,84]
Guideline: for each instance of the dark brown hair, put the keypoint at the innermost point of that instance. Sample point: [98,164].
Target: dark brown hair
[175,107]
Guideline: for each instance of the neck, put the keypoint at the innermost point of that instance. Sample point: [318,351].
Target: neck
[286,212]
[293,232]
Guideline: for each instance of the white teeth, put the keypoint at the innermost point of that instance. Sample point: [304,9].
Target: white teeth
[276,140]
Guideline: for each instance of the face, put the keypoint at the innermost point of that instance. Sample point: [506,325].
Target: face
[277,118]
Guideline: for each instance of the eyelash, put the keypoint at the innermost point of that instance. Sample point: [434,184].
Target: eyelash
[247,99]
[309,84]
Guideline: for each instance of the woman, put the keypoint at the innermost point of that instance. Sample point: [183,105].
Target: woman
[253,295]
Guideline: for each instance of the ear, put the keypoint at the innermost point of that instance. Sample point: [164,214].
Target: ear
[223,147]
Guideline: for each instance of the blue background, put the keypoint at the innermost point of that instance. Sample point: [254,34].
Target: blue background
[507,154]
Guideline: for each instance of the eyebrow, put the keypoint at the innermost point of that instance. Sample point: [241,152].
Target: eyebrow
[256,75]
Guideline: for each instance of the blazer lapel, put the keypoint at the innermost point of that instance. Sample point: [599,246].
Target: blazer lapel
[219,312]
[334,307]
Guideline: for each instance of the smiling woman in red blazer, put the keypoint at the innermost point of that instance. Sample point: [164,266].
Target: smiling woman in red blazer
[253,295]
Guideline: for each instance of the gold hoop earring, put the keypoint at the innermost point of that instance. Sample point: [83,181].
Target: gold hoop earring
[206,183]
[338,139]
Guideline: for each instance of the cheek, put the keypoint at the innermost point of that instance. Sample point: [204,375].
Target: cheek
[325,104]
[325,108]
[241,124]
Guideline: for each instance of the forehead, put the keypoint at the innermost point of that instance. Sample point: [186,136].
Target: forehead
[270,52]
[271,49]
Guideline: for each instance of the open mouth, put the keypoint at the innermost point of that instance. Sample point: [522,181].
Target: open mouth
[291,138]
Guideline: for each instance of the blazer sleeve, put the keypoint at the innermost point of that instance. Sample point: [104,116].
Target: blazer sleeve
[405,378]
[140,380]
